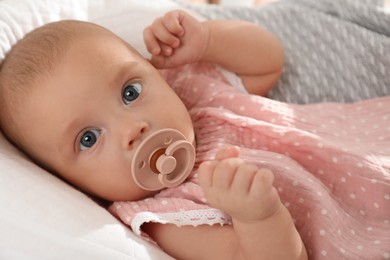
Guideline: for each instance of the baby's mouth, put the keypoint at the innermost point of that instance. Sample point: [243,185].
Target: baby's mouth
[164,159]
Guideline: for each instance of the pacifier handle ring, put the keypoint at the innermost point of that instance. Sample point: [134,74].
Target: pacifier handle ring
[187,164]
[175,165]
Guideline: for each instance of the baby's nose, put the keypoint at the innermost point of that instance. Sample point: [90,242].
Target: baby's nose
[135,133]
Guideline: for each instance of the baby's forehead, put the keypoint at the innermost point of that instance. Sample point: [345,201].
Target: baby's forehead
[38,51]
[55,38]
[43,49]
[33,59]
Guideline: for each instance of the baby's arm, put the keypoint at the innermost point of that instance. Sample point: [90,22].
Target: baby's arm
[244,48]
[262,226]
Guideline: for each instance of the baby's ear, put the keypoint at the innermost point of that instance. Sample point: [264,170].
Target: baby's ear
[227,152]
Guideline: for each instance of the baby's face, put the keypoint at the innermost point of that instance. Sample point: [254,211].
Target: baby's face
[86,120]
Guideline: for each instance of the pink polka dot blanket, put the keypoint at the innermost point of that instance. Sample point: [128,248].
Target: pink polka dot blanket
[331,163]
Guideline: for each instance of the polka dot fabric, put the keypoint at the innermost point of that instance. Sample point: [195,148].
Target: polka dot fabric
[331,162]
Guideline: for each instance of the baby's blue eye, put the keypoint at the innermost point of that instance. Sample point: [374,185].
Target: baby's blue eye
[131,92]
[88,139]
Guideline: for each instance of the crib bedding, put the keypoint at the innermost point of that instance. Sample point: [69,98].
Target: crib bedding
[334,50]
[42,217]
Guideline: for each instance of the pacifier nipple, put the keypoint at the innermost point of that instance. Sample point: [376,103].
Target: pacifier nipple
[166,164]
[163,159]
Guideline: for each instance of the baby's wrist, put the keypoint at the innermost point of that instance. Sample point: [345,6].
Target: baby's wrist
[206,51]
[269,214]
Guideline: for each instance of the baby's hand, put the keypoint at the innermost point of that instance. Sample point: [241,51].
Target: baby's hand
[240,189]
[176,39]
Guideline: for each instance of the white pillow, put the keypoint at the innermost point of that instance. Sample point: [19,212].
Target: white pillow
[41,217]
[126,18]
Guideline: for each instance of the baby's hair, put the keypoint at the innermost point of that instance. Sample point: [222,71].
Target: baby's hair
[30,61]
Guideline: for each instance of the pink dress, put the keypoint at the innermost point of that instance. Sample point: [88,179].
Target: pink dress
[331,164]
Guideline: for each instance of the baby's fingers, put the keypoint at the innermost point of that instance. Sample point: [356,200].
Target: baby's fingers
[264,193]
[262,183]
[172,22]
[159,39]
[162,34]
[227,152]
[205,173]
[168,29]
[151,42]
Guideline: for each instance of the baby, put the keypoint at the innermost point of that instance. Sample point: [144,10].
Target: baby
[91,99]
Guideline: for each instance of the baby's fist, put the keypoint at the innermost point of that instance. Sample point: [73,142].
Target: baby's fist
[175,39]
[240,189]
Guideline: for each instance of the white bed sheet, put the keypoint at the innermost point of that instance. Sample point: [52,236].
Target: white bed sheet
[42,217]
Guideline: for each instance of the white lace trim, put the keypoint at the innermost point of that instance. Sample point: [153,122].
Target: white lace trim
[182,218]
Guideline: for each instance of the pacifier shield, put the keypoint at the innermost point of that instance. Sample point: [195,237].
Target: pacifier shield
[163,159]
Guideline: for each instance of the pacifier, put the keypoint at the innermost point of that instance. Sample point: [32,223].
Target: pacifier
[163,160]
